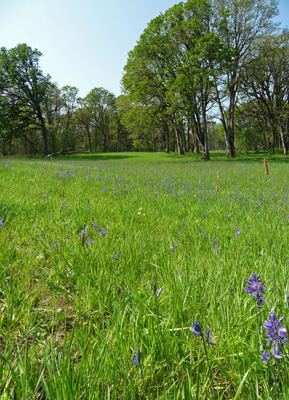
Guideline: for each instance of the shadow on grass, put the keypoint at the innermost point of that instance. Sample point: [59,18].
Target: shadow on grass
[216,156]
[96,157]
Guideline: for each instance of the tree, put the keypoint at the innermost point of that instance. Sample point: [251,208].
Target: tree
[266,84]
[101,105]
[24,87]
[170,68]
[239,23]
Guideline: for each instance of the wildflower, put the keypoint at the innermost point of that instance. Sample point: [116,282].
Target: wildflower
[138,357]
[155,290]
[276,331]
[44,195]
[116,257]
[90,241]
[265,356]
[276,350]
[173,245]
[55,244]
[102,232]
[84,230]
[255,289]
[208,330]
[197,329]
[94,224]
[238,233]
[2,223]
[203,215]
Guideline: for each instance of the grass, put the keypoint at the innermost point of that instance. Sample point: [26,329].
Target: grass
[72,316]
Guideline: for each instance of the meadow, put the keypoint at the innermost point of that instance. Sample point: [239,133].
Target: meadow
[107,259]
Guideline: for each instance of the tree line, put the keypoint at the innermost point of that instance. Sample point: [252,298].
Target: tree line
[204,75]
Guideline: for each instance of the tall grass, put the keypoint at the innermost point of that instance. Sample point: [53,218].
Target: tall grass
[72,316]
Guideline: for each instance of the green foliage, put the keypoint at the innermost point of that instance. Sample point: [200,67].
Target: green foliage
[24,90]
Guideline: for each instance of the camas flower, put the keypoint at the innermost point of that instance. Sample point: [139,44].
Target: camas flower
[155,290]
[276,331]
[197,329]
[256,289]
[138,357]
[208,337]
[276,334]
[266,356]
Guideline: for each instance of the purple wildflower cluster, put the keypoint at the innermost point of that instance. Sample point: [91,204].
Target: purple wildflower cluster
[256,289]
[277,335]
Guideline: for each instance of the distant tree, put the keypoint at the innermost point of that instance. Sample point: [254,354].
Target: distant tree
[239,23]
[25,88]
[266,84]
[69,106]
[100,104]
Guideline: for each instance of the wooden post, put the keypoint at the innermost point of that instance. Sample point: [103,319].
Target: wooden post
[266,166]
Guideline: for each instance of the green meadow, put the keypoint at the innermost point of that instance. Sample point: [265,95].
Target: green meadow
[84,239]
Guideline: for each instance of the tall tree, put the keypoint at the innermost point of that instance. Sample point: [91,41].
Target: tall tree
[24,86]
[101,104]
[239,24]
[266,84]
[171,67]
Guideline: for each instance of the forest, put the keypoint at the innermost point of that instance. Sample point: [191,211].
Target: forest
[204,75]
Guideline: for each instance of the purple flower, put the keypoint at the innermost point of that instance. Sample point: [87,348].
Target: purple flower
[276,351]
[265,356]
[44,195]
[55,244]
[135,361]
[197,329]
[155,290]
[138,357]
[238,233]
[208,337]
[94,224]
[102,232]
[116,257]
[256,289]
[276,331]
[203,215]
[2,223]
[90,241]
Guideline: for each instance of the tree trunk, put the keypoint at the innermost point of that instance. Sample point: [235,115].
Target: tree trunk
[273,136]
[179,143]
[228,130]
[89,138]
[95,140]
[283,140]
[205,154]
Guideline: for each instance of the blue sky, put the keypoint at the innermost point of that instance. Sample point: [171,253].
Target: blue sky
[84,43]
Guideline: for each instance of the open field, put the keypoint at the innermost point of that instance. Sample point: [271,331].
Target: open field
[84,239]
